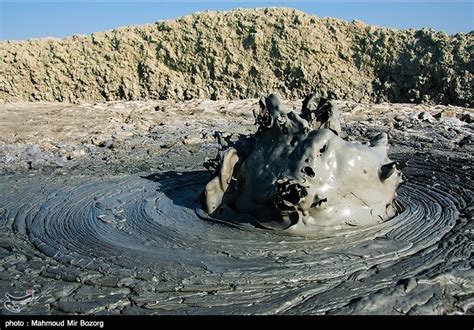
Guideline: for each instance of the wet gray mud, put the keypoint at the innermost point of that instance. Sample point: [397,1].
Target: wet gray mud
[297,174]
[137,243]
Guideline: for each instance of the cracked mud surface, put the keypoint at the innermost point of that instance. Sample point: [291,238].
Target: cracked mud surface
[100,219]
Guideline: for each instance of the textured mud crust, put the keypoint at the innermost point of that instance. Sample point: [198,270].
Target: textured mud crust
[243,54]
[123,236]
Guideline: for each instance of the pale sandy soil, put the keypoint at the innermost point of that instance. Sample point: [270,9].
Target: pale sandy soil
[130,135]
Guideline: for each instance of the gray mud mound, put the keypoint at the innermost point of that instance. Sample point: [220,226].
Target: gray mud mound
[297,174]
[243,54]
[87,241]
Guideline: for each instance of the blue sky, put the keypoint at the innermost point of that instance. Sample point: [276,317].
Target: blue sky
[21,20]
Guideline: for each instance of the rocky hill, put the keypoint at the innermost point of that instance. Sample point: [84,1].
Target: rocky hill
[243,54]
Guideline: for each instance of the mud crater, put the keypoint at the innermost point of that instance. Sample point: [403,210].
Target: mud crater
[122,235]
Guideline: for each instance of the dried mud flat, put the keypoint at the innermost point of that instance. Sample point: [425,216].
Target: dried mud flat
[97,216]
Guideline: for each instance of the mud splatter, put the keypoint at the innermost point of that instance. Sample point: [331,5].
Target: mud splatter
[273,182]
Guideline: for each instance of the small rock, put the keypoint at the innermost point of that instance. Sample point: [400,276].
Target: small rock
[192,140]
[424,116]
[75,154]
[103,140]
[109,144]
[46,146]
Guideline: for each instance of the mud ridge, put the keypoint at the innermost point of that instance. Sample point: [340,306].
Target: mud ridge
[242,54]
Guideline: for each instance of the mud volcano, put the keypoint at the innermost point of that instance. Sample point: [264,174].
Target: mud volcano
[104,218]
[297,173]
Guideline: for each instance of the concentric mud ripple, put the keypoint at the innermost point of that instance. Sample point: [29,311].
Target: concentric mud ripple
[142,233]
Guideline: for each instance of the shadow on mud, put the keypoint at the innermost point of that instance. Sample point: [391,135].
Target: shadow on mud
[183,188]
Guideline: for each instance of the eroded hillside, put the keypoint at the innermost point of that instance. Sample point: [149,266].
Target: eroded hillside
[242,54]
